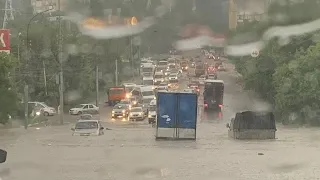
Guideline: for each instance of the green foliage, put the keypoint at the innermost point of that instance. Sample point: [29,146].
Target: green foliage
[287,76]
[8,96]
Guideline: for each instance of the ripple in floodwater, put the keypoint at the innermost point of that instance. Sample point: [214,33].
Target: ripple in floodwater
[148,172]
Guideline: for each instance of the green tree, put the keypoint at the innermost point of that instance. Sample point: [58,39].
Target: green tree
[286,75]
[8,94]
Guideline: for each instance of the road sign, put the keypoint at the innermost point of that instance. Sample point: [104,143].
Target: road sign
[5,40]
[255,53]
[136,41]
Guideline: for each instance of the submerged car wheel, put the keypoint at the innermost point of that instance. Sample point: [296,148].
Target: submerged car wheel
[79,113]
[46,114]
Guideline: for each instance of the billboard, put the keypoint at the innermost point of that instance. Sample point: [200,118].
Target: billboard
[5,40]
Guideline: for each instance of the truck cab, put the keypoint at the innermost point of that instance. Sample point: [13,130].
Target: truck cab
[115,95]
[199,69]
[213,94]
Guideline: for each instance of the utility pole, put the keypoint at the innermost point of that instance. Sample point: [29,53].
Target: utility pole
[26,108]
[116,72]
[97,85]
[45,77]
[61,65]
[131,56]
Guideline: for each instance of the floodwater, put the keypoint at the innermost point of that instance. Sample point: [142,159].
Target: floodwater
[131,152]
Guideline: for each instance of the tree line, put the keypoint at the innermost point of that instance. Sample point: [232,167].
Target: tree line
[286,72]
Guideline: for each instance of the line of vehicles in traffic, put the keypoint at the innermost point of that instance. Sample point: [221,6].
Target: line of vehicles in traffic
[136,102]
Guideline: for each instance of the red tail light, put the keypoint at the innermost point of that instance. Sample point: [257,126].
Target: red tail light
[220,105]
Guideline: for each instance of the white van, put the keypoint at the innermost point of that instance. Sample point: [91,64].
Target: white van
[152,112]
[158,78]
[147,69]
[147,81]
[147,92]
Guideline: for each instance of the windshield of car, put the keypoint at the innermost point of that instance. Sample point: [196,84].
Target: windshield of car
[171,61]
[147,93]
[158,76]
[44,104]
[147,74]
[152,108]
[86,125]
[146,101]
[173,81]
[148,82]
[116,91]
[124,102]
[119,107]
[136,110]
[129,89]
[79,106]
[147,69]
[163,63]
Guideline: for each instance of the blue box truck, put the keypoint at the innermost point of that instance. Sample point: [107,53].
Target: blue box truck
[176,111]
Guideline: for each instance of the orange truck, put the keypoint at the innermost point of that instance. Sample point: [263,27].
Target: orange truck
[115,95]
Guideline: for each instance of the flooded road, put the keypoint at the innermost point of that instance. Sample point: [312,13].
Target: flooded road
[131,152]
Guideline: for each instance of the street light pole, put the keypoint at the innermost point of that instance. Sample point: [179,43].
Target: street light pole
[61,65]
[28,26]
[26,87]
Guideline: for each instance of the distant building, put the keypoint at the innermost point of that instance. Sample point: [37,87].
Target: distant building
[42,5]
[246,10]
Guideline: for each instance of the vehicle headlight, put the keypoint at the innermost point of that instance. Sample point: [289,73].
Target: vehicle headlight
[38,113]
[155,98]
[162,80]
[112,112]
[141,113]
[128,95]
[187,67]
[165,73]
[169,84]
[131,114]
[123,111]
[134,102]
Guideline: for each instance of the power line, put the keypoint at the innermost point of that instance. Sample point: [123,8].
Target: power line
[8,13]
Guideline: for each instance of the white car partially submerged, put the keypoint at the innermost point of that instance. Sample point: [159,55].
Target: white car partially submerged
[136,114]
[87,128]
[84,109]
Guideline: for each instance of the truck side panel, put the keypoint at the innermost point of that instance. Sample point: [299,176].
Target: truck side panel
[187,111]
[166,110]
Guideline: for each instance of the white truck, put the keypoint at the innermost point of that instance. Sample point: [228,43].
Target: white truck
[147,81]
[147,69]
